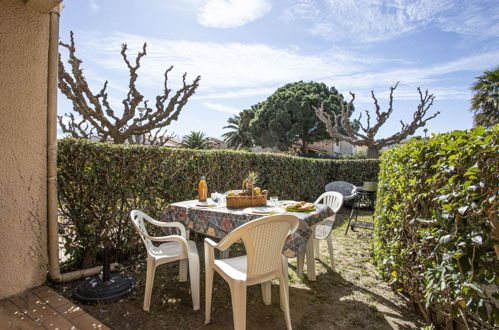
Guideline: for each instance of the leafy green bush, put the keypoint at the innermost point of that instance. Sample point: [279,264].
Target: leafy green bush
[355,155]
[99,184]
[436,225]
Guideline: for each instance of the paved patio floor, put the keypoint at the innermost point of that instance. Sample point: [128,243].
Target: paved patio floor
[43,308]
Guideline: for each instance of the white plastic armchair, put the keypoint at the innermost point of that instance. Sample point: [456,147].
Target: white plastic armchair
[172,248]
[263,239]
[321,231]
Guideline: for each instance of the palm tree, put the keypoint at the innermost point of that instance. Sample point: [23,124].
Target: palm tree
[233,138]
[240,136]
[196,140]
[485,101]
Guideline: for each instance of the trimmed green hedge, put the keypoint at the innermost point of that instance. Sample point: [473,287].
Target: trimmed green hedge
[435,216]
[98,185]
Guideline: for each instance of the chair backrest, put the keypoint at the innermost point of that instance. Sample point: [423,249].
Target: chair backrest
[137,218]
[263,240]
[332,199]
[345,188]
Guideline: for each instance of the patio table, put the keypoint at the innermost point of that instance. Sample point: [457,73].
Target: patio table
[220,221]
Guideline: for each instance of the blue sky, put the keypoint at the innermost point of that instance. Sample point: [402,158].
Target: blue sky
[245,49]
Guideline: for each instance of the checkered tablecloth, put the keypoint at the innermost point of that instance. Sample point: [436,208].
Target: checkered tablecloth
[220,221]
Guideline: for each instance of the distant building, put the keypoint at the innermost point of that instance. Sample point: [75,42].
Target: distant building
[217,144]
[172,143]
[323,148]
[335,148]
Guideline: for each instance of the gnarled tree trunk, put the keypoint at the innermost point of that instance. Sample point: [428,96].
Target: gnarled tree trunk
[372,153]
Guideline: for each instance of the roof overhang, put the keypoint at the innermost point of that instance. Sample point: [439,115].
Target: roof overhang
[42,6]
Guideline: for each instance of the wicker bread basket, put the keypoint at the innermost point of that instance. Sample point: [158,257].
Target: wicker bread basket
[238,202]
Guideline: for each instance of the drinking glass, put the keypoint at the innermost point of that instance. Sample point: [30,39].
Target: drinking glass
[216,197]
[274,200]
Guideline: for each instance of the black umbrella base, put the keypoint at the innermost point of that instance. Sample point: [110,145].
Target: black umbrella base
[95,290]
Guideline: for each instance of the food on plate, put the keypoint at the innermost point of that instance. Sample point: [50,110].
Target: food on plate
[307,207]
[300,206]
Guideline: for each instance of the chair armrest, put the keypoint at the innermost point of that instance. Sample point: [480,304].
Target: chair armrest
[172,224]
[227,241]
[210,243]
[209,252]
[171,238]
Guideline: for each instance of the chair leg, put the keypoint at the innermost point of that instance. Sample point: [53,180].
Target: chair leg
[284,293]
[151,269]
[238,294]
[284,270]
[300,261]
[310,260]
[329,241]
[194,279]
[182,270]
[208,292]
[317,253]
[266,293]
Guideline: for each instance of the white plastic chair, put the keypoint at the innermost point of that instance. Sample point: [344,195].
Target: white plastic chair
[173,248]
[263,239]
[321,231]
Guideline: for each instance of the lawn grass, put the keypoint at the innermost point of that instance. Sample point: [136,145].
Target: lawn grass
[348,294]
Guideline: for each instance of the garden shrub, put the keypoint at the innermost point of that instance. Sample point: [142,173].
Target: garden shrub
[99,184]
[436,225]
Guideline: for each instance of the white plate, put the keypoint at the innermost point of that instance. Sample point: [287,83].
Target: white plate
[263,210]
[205,204]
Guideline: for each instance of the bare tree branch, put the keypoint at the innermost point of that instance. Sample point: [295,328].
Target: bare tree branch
[97,112]
[368,138]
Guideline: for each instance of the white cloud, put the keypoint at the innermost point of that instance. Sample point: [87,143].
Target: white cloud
[221,107]
[236,70]
[471,19]
[94,6]
[407,93]
[371,21]
[417,76]
[301,9]
[223,65]
[230,13]
[239,93]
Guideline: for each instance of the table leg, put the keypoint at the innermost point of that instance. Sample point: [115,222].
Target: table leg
[300,261]
[310,260]
[224,254]
[317,252]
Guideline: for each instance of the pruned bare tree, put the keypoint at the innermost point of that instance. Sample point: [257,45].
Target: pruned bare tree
[339,126]
[99,120]
[157,137]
